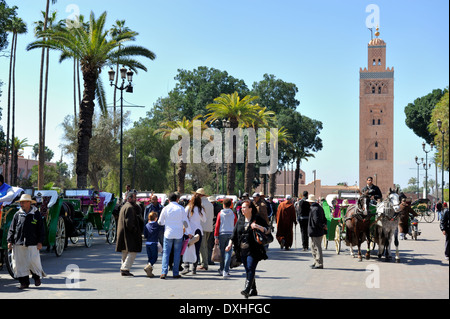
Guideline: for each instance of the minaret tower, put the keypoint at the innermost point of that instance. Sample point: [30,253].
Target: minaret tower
[376,118]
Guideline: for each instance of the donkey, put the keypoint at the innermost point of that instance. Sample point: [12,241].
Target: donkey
[386,225]
[357,222]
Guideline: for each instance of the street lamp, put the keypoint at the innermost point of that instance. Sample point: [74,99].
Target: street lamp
[426,166]
[418,165]
[439,125]
[124,74]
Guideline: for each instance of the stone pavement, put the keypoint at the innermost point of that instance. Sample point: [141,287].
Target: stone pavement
[93,273]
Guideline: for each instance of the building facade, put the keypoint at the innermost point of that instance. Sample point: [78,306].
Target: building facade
[376,119]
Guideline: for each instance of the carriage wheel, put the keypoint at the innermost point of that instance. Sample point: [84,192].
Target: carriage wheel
[60,238]
[112,231]
[88,234]
[429,216]
[10,263]
[337,239]
[325,242]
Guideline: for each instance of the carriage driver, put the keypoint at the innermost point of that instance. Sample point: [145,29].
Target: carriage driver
[373,191]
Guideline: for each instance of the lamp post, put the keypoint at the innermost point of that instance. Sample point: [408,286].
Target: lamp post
[418,165]
[133,156]
[225,124]
[439,125]
[128,75]
[426,166]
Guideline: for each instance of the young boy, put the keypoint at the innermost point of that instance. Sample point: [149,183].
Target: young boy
[151,231]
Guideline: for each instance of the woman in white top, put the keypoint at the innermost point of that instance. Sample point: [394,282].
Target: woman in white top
[196,215]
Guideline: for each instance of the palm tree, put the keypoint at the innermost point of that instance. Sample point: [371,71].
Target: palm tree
[94,51]
[284,137]
[17,26]
[182,126]
[239,112]
[265,119]
[43,102]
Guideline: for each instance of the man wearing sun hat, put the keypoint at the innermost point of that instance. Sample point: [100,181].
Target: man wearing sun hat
[317,224]
[25,237]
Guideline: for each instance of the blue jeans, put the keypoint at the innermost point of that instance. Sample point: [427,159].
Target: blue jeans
[250,267]
[226,255]
[152,252]
[167,248]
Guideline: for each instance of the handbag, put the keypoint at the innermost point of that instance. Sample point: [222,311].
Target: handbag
[234,261]
[216,255]
[190,256]
[262,238]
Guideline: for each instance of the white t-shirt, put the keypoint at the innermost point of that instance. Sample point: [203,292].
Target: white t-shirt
[172,217]
[196,219]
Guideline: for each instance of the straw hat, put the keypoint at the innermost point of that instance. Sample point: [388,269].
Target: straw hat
[345,202]
[311,198]
[26,198]
[200,191]
[212,199]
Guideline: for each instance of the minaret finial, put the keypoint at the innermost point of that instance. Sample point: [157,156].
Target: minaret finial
[378,32]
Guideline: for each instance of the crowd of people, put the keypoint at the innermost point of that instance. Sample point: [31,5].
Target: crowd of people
[185,232]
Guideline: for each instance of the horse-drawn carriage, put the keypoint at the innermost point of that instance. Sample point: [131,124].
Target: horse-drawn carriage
[88,210]
[357,220]
[423,208]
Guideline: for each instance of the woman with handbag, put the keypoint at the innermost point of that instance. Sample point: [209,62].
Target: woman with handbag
[247,248]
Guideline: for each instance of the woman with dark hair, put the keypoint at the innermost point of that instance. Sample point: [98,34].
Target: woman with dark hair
[247,249]
[196,216]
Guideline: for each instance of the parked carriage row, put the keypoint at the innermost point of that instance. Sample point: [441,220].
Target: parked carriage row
[69,216]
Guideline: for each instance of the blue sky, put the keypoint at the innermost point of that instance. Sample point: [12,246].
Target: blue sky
[318,45]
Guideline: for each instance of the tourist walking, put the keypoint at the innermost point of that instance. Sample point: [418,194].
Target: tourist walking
[208,229]
[317,225]
[129,233]
[25,237]
[285,223]
[261,206]
[445,228]
[247,249]
[174,218]
[151,233]
[302,208]
[196,215]
[225,222]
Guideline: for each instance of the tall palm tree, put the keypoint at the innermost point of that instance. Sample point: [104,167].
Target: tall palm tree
[16,26]
[94,50]
[182,126]
[43,101]
[239,112]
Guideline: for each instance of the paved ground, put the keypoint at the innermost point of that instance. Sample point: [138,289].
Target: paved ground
[423,273]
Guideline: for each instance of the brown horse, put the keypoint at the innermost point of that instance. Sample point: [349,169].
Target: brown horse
[357,222]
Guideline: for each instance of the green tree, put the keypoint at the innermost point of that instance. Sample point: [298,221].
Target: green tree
[418,114]
[180,127]
[239,112]
[94,50]
[441,112]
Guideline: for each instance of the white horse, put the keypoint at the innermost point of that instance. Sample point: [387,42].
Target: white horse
[386,224]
